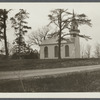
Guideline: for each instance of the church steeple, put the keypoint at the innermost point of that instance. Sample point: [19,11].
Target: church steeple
[73,14]
[74,25]
[74,31]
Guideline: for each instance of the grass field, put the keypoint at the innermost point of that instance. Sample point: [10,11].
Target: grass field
[76,82]
[26,64]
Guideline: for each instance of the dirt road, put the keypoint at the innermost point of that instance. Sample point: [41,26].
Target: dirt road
[32,73]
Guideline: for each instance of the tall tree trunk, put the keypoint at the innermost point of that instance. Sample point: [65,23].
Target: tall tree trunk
[19,45]
[59,41]
[5,37]
[59,46]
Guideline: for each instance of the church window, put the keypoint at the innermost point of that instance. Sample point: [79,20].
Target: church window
[56,51]
[45,52]
[66,51]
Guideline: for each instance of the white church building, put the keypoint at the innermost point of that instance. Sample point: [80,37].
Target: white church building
[70,48]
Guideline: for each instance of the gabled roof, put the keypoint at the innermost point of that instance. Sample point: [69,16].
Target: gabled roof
[53,40]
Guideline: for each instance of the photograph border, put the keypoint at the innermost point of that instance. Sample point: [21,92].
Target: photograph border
[50,96]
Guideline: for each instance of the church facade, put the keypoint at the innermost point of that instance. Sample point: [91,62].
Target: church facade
[70,48]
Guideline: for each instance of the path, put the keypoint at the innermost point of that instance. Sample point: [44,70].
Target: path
[32,73]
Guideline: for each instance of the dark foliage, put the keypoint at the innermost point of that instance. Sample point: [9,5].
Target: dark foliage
[28,64]
[20,26]
[30,55]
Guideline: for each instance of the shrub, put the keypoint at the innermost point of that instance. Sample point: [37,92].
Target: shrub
[29,55]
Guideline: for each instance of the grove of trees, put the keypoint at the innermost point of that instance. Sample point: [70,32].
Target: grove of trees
[61,19]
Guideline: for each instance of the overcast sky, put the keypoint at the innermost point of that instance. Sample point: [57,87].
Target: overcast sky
[39,16]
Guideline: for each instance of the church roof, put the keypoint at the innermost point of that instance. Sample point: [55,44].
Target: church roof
[54,41]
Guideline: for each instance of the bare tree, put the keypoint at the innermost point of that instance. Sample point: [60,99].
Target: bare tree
[57,17]
[62,19]
[97,50]
[36,37]
[88,51]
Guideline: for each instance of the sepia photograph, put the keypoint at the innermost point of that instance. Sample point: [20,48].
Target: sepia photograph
[50,47]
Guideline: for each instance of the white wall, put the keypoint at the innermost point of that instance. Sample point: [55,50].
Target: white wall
[71,51]
[77,49]
[51,54]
